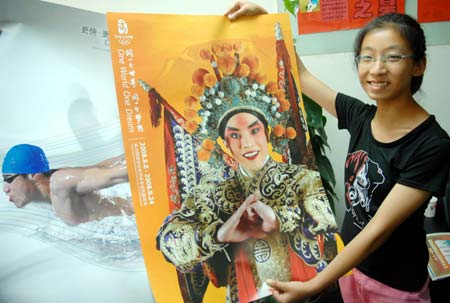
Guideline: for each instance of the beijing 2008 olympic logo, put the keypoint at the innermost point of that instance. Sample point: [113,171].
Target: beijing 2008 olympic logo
[122,28]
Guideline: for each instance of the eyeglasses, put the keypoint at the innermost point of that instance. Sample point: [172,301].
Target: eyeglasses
[388,60]
[9,178]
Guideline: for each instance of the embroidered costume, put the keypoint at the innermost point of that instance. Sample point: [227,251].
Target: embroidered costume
[206,185]
[298,251]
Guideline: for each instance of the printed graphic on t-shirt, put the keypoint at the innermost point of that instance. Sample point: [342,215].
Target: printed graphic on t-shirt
[360,185]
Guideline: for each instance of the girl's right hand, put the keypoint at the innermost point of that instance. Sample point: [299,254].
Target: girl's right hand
[244,8]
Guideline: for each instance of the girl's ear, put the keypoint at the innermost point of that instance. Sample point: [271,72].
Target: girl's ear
[419,68]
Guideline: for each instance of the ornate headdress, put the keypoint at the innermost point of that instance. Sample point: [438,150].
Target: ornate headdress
[233,85]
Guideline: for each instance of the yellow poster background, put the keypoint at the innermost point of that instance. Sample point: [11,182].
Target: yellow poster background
[163,50]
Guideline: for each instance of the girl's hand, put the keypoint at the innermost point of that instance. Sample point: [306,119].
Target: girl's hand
[290,292]
[244,8]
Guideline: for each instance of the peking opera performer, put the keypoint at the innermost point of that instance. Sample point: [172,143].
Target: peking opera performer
[238,216]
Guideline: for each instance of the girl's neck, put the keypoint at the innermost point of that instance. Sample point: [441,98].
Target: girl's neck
[394,119]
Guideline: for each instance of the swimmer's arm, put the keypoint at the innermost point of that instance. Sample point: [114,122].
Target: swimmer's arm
[111,162]
[85,180]
[96,178]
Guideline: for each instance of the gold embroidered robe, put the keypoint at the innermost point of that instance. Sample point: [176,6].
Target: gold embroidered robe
[187,238]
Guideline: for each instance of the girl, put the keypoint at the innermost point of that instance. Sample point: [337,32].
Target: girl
[397,158]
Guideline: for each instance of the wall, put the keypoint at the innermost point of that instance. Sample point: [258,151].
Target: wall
[342,41]
[194,7]
[56,82]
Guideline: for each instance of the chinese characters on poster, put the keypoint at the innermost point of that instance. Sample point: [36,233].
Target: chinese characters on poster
[315,16]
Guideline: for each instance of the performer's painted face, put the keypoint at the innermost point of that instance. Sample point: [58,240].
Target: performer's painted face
[246,137]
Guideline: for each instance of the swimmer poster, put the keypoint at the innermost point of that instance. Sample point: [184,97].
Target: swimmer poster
[67,107]
[315,16]
[174,76]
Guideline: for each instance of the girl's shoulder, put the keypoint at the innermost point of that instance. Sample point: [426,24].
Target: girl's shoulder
[353,113]
[431,132]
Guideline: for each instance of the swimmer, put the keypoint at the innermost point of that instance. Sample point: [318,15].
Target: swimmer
[73,192]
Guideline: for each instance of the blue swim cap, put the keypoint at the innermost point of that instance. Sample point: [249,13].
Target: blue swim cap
[25,159]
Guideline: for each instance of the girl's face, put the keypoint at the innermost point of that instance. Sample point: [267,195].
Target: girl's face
[246,138]
[386,79]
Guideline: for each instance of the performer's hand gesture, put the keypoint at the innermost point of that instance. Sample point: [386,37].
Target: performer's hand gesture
[241,225]
[253,219]
[260,212]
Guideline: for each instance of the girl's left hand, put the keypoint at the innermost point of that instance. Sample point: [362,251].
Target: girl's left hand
[290,292]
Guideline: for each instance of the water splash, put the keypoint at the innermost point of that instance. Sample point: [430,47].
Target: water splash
[112,242]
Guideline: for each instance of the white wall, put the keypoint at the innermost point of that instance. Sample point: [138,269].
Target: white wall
[200,7]
[56,82]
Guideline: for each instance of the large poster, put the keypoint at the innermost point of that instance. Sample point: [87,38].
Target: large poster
[214,131]
[58,95]
[315,16]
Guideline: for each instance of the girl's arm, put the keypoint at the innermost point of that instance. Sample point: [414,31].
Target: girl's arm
[400,203]
[317,90]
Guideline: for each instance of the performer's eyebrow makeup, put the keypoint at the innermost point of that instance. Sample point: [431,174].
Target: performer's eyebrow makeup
[237,129]
[253,124]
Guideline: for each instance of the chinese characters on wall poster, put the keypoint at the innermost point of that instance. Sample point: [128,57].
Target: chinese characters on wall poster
[316,16]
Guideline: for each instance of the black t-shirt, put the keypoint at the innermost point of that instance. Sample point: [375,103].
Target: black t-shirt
[420,159]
